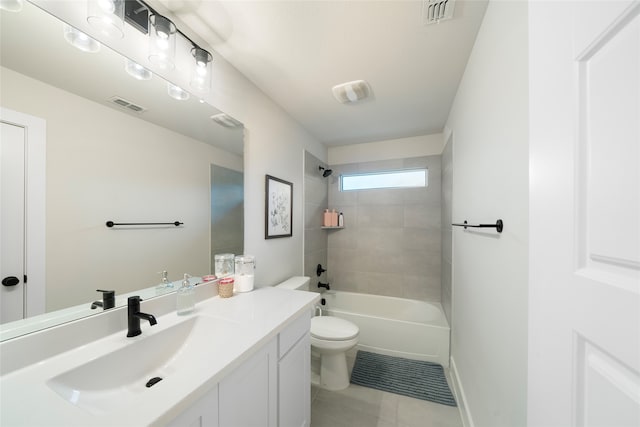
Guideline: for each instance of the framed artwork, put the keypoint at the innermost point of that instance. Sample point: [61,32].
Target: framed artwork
[278,208]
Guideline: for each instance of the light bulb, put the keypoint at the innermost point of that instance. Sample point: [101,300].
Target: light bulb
[162,42]
[107,5]
[107,16]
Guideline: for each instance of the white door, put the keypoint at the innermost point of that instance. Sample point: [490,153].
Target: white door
[584,300]
[12,222]
[22,213]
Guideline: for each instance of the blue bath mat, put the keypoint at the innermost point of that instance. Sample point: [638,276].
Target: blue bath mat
[413,378]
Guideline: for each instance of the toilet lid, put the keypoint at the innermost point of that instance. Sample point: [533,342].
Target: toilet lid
[333,328]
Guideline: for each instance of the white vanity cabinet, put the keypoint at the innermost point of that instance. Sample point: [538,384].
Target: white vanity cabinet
[270,389]
[294,386]
[203,413]
[247,395]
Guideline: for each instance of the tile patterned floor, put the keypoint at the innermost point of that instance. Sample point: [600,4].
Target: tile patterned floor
[365,407]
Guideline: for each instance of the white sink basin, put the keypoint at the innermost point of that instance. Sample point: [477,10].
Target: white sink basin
[114,380]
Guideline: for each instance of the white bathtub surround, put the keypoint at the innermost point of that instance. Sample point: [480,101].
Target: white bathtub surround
[394,326]
[237,329]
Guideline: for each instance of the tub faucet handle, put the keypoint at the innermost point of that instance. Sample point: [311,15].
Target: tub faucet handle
[320,270]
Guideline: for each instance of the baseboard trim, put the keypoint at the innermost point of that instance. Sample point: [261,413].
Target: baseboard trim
[458,391]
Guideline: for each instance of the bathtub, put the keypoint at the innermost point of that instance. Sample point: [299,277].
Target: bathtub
[394,326]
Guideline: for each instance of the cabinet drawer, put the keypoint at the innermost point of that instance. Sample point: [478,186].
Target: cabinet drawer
[292,333]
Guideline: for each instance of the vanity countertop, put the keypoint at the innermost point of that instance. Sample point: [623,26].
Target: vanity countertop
[239,327]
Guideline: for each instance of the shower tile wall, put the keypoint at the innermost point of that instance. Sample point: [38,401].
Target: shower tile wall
[391,241]
[315,202]
[447,230]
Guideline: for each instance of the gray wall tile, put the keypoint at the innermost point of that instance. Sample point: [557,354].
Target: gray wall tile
[447,237]
[391,243]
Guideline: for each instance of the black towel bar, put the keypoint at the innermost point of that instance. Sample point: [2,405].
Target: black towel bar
[111,223]
[499,226]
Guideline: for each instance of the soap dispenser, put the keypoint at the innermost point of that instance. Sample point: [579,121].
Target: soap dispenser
[185,296]
[165,283]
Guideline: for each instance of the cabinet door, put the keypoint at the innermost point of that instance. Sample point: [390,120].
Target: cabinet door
[203,413]
[246,396]
[294,401]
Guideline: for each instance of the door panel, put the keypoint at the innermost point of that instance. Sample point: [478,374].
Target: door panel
[610,155]
[584,333]
[607,279]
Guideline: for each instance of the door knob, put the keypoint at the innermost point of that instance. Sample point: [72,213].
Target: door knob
[10,281]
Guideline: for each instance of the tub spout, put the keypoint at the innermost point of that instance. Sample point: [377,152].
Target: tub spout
[324,285]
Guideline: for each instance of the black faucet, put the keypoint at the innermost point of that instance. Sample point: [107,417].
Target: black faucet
[324,285]
[108,300]
[134,315]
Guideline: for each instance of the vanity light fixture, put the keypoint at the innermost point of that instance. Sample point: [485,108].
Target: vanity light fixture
[136,70]
[107,16]
[162,41]
[176,92]
[80,40]
[11,5]
[201,69]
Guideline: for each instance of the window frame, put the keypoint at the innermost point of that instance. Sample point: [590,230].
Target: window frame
[382,173]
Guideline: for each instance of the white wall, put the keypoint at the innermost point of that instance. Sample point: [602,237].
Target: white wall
[490,134]
[415,146]
[102,165]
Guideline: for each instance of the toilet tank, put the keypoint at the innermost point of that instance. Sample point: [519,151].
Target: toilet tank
[300,283]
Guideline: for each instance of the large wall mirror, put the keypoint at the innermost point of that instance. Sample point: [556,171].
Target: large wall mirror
[118,149]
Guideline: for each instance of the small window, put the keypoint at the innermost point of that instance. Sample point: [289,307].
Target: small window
[391,179]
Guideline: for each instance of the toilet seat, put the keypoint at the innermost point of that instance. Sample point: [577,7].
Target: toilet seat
[331,328]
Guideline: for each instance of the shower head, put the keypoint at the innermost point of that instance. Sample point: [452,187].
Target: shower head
[325,172]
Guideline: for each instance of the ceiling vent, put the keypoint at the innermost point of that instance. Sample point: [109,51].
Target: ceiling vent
[347,93]
[123,103]
[226,120]
[434,11]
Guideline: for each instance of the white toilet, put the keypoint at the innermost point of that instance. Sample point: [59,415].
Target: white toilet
[331,338]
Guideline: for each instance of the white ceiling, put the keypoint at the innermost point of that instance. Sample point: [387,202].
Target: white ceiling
[296,51]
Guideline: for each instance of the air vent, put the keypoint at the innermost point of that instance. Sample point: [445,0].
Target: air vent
[226,120]
[121,102]
[434,11]
[347,93]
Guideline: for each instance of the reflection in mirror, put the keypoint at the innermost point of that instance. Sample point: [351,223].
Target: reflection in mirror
[117,149]
[227,211]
